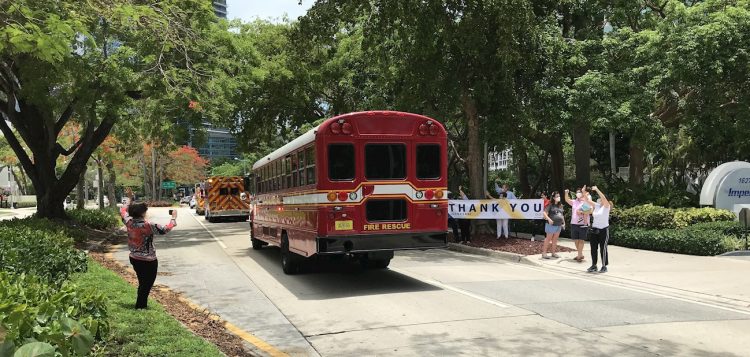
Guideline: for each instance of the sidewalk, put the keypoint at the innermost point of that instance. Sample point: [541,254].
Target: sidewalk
[8,213]
[719,280]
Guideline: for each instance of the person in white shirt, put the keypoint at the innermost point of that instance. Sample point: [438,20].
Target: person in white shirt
[502,224]
[599,234]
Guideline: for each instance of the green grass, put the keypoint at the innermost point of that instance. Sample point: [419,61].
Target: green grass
[151,332]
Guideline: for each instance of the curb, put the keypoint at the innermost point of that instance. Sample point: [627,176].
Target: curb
[511,257]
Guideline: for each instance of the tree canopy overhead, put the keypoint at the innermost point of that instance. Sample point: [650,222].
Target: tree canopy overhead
[96,63]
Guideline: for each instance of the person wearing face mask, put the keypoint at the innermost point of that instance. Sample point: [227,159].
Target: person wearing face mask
[554,215]
[600,231]
[579,224]
[502,224]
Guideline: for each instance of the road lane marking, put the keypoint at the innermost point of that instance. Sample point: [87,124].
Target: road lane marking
[639,290]
[209,232]
[451,288]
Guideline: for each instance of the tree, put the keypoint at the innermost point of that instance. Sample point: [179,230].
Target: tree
[96,63]
[186,166]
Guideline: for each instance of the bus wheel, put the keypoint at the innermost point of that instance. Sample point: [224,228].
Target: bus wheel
[257,243]
[290,262]
[381,263]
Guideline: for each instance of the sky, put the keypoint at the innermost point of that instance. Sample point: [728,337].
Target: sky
[249,10]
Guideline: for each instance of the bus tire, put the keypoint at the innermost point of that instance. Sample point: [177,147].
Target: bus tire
[257,243]
[381,263]
[290,262]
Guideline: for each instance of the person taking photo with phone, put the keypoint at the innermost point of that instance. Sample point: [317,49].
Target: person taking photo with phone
[141,244]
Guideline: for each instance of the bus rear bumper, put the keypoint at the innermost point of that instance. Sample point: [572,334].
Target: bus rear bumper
[381,242]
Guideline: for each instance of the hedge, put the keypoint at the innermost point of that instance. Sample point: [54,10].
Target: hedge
[96,218]
[655,217]
[64,317]
[702,239]
[28,248]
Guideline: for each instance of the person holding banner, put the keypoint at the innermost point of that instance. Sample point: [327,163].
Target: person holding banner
[579,224]
[554,214]
[502,224]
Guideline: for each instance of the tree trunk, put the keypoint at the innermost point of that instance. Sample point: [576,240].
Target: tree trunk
[111,183]
[80,203]
[557,156]
[612,160]
[100,182]
[582,152]
[146,184]
[153,173]
[474,149]
[636,163]
[21,182]
[522,162]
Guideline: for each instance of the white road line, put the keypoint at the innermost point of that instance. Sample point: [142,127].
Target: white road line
[639,290]
[224,246]
[451,288]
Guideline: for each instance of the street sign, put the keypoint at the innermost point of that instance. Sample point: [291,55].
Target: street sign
[168,184]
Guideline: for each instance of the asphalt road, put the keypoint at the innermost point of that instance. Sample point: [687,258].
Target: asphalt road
[433,303]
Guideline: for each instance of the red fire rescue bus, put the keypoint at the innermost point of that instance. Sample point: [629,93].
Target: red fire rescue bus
[364,184]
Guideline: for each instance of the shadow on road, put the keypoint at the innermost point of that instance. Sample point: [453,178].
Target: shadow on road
[326,278]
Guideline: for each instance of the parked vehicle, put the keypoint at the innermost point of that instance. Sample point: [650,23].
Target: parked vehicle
[186,199]
[191,204]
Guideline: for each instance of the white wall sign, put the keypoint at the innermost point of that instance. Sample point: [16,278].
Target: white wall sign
[727,186]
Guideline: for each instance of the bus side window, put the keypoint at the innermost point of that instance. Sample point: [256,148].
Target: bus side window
[340,162]
[279,175]
[301,168]
[293,157]
[310,158]
[288,172]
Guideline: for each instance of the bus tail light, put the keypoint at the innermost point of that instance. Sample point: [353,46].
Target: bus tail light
[423,130]
[433,130]
[331,196]
[336,128]
[439,194]
[429,194]
[346,128]
[367,190]
[343,196]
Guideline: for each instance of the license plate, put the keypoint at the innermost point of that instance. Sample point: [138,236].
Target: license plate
[344,225]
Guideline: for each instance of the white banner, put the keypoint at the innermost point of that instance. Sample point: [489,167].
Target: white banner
[496,209]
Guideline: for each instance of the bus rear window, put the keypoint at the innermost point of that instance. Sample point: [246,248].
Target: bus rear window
[341,162]
[428,162]
[385,161]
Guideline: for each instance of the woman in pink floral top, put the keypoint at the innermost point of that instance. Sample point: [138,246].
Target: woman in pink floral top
[141,244]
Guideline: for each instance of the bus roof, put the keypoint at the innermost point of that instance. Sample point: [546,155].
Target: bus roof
[295,144]
[309,136]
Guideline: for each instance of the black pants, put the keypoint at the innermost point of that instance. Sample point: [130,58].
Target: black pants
[465,225]
[146,272]
[599,241]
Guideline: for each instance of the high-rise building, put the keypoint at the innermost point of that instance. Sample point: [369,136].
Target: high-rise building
[220,143]
[220,8]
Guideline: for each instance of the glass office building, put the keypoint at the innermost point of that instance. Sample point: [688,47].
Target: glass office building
[220,8]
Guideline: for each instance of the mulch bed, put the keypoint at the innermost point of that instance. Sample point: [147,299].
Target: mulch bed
[512,245]
[201,321]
